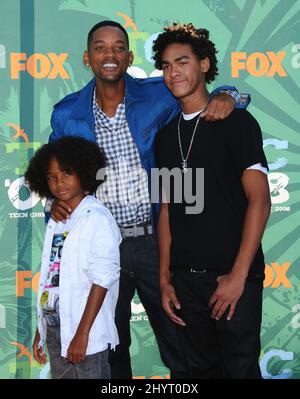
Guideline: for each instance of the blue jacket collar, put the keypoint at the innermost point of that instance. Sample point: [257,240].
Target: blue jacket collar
[83,107]
[133,90]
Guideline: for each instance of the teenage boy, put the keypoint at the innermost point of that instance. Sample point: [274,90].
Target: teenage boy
[211,262]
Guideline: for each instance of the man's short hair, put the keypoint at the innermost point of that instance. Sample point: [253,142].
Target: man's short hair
[198,39]
[101,25]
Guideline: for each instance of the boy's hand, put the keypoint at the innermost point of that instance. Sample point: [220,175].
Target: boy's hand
[219,107]
[227,293]
[60,211]
[169,302]
[77,348]
[38,353]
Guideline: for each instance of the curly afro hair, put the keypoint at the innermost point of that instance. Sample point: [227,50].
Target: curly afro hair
[198,39]
[72,154]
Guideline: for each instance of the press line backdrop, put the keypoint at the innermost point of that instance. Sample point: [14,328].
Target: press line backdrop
[41,46]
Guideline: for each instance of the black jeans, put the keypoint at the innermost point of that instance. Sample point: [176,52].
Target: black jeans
[140,271]
[218,348]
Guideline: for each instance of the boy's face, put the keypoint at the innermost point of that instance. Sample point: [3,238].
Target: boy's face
[64,185]
[184,73]
[108,54]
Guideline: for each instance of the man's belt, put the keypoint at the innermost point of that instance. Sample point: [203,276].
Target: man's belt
[136,230]
[189,269]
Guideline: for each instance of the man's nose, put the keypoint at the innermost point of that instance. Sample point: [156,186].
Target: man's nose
[109,51]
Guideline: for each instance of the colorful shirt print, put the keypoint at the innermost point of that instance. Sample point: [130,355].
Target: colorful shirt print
[50,297]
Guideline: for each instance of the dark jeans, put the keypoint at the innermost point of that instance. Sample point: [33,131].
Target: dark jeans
[95,366]
[218,349]
[140,271]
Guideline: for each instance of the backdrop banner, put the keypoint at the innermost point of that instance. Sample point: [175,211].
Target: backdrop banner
[41,47]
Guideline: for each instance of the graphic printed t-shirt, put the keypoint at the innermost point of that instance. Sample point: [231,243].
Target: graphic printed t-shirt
[50,298]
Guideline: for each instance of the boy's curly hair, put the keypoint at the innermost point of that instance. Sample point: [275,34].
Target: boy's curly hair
[72,154]
[198,39]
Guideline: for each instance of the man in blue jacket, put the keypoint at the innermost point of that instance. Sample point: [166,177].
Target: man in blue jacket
[123,115]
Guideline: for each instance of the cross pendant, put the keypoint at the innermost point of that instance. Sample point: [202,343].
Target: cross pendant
[184,166]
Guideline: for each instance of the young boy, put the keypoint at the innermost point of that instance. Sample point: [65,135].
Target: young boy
[79,278]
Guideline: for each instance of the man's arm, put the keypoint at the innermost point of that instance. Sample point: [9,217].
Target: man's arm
[77,348]
[231,286]
[242,100]
[169,299]
[55,120]
[60,211]
[223,100]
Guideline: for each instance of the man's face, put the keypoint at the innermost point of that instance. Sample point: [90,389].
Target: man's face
[108,54]
[184,73]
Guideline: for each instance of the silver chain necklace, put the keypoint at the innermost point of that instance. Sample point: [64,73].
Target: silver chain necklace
[185,159]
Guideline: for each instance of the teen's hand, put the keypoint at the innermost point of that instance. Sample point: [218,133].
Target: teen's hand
[77,348]
[228,292]
[60,211]
[38,353]
[169,302]
[219,107]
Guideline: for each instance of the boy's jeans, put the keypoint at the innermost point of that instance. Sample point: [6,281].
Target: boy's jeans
[95,366]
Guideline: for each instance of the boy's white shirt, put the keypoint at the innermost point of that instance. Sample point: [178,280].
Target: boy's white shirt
[90,255]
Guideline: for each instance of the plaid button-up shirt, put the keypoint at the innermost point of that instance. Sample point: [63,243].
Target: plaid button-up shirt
[125,192]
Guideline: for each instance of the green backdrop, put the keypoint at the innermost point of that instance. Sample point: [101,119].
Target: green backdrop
[41,46]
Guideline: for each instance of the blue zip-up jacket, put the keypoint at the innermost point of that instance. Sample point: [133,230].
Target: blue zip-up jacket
[149,106]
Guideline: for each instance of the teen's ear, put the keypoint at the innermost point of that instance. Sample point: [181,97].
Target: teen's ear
[86,58]
[205,65]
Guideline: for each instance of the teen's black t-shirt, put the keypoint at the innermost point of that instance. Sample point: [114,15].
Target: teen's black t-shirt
[211,239]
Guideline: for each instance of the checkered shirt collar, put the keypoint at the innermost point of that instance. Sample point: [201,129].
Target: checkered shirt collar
[104,121]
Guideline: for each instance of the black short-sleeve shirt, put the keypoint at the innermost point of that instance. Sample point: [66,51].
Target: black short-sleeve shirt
[224,149]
